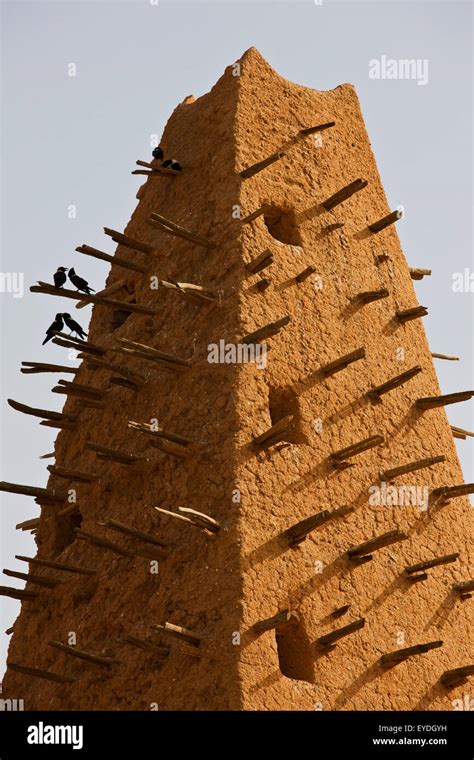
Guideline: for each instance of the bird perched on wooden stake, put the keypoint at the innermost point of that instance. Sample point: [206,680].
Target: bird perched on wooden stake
[73,325]
[171,163]
[79,282]
[158,153]
[55,327]
[60,276]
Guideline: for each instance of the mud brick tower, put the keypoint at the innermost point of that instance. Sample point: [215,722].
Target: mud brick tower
[310,546]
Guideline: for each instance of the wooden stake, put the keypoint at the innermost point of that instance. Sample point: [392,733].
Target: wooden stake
[97,541]
[330,638]
[123,382]
[276,432]
[198,519]
[143,644]
[68,474]
[173,449]
[49,290]
[419,464]
[36,580]
[124,263]
[386,221]
[446,493]
[464,588]
[79,345]
[278,620]
[71,509]
[342,362]
[180,633]
[457,676]
[56,565]
[80,390]
[43,413]
[370,295]
[313,130]
[394,382]
[432,402]
[393,658]
[47,493]
[374,544]
[159,169]
[107,291]
[147,352]
[356,448]
[32,368]
[418,274]
[408,314]
[47,675]
[147,538]
[93,363]
[255,214]
[261,262]
[195,293]
[80,654]
[201,520]
[16,593]
[258,167]
[129,242]
[165,225]
[447,358]
[122,457]
[302,276]
[445,560]
[47,456]
[461,433]
[333,227]
[148,429]
[300,531]
[344,193]
[28,524]
[267,331]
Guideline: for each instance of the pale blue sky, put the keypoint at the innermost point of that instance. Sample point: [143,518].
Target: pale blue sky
[75,140]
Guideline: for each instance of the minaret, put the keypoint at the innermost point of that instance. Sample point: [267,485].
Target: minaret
[254,467]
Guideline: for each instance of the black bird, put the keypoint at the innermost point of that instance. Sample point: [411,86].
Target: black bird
[171,163]
[73,325]
[57,326]
[158,153]
[60,277]
[79,282]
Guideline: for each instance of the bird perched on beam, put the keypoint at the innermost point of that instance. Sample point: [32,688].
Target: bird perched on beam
[73,325]
[79,282]
[171,163]
[60,276]
[55,327]
[158,153]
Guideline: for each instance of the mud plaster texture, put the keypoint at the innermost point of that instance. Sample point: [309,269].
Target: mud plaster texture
[222,586]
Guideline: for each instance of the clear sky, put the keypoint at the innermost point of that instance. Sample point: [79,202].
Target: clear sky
[74,140]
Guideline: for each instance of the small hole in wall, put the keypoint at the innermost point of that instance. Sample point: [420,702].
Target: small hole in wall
[64,530]
[283,402]
[295,655]
[282,225]
[120,316]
